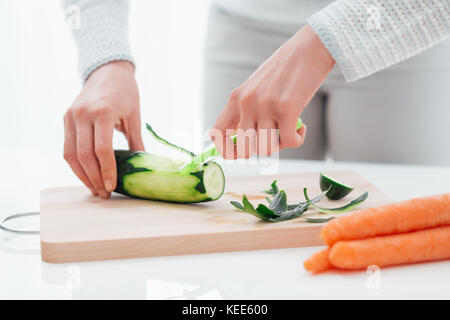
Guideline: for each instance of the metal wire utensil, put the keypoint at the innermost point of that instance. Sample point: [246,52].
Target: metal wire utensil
[18,216]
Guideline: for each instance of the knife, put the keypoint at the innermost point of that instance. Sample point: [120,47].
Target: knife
[210,153]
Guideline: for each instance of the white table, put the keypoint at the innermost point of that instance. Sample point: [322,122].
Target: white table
[276,274]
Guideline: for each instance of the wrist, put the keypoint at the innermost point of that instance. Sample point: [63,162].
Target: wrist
[121,64]
[311,58]
[113,67]
[316,49]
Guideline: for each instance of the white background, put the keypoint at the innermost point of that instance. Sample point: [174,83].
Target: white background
[39,76]
[39,80]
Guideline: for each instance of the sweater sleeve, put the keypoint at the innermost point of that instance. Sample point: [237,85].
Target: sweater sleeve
[365,36]
[100,29]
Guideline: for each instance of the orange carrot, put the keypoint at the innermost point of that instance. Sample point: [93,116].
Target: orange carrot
[418,246]
[318,262]
[395,218]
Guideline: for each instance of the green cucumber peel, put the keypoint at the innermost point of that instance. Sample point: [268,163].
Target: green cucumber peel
[237,205]
[318,220]
[273,188]
[279,202]
[278,209]
[348,207]
[197,161]
[169,144]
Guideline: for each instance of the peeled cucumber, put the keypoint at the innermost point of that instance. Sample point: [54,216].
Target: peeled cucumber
[148,176]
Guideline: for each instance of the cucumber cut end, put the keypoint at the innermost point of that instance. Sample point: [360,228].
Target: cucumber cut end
[336,190]
[214,180]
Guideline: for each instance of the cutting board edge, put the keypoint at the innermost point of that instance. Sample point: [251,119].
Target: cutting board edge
[67,252]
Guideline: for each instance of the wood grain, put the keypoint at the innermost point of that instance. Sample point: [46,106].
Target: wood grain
[76,226]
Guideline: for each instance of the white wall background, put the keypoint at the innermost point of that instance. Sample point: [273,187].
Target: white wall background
[39,77]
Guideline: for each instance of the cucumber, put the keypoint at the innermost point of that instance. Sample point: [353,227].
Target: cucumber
[336,190]
[148,176]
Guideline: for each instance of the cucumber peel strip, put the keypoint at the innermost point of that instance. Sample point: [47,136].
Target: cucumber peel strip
[203,157]
[319,220]
[273,189]
[169,144]
[351,205]
[278,209]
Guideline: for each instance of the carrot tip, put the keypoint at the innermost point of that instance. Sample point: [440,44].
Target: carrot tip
[318,262]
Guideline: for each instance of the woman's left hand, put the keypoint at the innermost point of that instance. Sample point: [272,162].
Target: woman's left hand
[273,98]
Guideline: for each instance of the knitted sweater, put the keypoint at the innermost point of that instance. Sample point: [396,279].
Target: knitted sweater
[293,12]
[363,36]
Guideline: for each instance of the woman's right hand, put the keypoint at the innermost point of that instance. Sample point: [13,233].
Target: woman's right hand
[108,100]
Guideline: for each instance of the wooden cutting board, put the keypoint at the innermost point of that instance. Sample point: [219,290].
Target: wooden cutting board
[76,226]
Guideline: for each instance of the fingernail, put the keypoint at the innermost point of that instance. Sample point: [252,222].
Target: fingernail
[103,194]
[108,186]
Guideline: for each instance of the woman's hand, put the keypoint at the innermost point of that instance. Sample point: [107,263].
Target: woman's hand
[108,100]
[273,98]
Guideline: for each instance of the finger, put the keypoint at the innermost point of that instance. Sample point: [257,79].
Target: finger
[289,137]
[134,136]
[246,144]
[103,134]
[87,158]
[223,142]
[223,129]
[302,132]
[70,152]
[267,137]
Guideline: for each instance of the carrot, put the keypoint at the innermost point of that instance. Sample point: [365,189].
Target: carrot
[418,246]
[400,217]
[318,262]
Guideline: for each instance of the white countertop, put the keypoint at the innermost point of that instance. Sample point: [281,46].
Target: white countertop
[268,274]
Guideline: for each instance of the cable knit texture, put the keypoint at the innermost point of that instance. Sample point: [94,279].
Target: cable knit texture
[365,36]
[101,35]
